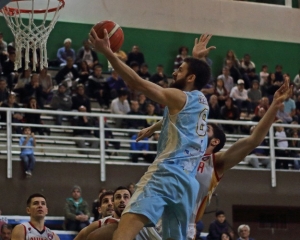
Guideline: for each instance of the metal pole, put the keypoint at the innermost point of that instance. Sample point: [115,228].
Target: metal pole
[8,143]
[102,149]
[272,156]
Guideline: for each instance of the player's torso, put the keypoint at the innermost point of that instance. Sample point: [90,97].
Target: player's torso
[31,233]
[183,138]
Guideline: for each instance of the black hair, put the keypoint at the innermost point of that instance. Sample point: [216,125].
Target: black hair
[220,212]
[134,64]
[144,65]
[107,193]
[181,48]
[33,196]
[160,65]
[227,234]
[122,93]
[200,69]
[7,226]
[218,134]
[97,66]
[24,128]
[264,66]
[122,188]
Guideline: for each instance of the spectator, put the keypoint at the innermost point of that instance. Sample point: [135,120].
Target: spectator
[115,84]
[80,99]
[76,211]
[182,54]
[143,103]
[87,54]
[232,57]
[120,105]
[96,205]
[151,112]
[278,73]
[264,103]
[121,55]
[233,71]
[140,146]
[226,236]
[273,88]
[229,112]
[16,117]
[258,152]
[98,87]
[135,56]
[294,143]
[84,72]
[66,52]
[34,89]
[143,72]
[68,73]
[93,143]
[217,227]
[298,108]
[23,79]
[46,82]
[297,81]
[61,101]
[8,68]
[134,123]
[283,116]
[27,153]
[3,50]
[159,77]
[261,112]
[135,66]
[6,230]
[199,229]
[4,93]
[254,94]
[221,92]
[208,90]
[214,108]
[240,96]
[131,188]
[290,107]
[252,76]
[247,65]
[264,82]
[244,232]
[228,80]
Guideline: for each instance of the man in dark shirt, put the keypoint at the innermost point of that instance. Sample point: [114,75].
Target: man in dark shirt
[135,55]
[159,77]
[80,99]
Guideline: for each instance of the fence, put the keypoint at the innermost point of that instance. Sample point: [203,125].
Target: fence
[62,148]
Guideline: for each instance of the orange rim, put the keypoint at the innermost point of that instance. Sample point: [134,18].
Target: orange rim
[11,11]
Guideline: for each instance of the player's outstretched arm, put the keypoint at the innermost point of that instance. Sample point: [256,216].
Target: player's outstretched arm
[147,132]
[83,234]
[18,233]
[239,150]
[173,98]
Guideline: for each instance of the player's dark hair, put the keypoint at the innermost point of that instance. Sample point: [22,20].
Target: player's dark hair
[33,196]
[107,193]
[6,226]
[200,69]
[220,212]
[219,134]
[122,188]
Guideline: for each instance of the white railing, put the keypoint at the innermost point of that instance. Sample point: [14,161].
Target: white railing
[100,157]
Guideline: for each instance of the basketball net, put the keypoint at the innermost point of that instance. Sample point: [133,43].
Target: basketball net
[31,36]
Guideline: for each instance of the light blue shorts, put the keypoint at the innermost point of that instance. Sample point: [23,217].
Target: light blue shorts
[168,193]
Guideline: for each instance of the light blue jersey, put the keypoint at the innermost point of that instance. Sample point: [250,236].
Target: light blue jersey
[169,188]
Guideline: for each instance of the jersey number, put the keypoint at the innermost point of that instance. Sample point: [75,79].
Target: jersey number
[202,124]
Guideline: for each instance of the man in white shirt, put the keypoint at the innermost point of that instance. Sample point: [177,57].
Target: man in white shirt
[120,105]
[227,79]
[240,96]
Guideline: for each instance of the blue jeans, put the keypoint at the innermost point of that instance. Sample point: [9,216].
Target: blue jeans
[29,162]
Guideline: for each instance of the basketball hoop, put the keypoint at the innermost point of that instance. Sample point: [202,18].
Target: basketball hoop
[31,36]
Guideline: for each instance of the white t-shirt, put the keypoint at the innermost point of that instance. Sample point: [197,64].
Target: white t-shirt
[263,78]
[281,141]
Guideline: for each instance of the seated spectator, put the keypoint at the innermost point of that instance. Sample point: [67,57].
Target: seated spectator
[27,153]
[115,84]
[261,112]
[229,112]
[221,92]
[46,82]
[143,103]
[252,76]
[135,56]
[294,143]
[240,96]
[273,88]
[80,99]
[90,141]
[217,227]
[4,93]
[159,77]
[230,55]
[263,103]
[131,188]
[87,54]
[8,68]
[134,123]
[61,101]
[199,229]
[23,79]
[135,66]
[84,72]
[65,52]
[98,87]
[264,79]
[296,81]
[278,73]
[182,54]
[244,232]
[120,105]
[35,90]
[290,107]
[254,159]
[5,233]
[226,236]
[254,94]
[150,112]
[76,211]
[3,50]
[35,118]
[227,79]
[233,71]
[247,66]
[68,73]
[16,117]
[121,55]
[96,205]
[214,109]
[143,72]
[208,90]
[282,115]
[142,145]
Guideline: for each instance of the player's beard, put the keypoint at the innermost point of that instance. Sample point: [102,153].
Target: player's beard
[209,140]
[179,84]
[118,213]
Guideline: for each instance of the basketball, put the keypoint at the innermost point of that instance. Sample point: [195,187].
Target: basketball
[115,33]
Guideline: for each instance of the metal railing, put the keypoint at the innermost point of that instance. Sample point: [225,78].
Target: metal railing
[97,155]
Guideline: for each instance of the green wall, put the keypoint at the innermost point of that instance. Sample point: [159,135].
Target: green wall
[160,47]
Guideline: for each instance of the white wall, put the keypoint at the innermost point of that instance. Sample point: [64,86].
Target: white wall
[220,17]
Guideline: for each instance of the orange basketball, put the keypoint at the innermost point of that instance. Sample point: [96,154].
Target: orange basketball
[115,33]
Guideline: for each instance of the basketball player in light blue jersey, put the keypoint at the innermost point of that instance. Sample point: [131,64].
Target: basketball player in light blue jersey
[169,188]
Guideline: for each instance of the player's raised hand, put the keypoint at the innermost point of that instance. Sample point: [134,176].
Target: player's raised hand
[283,93]
[199,49]
[99,44]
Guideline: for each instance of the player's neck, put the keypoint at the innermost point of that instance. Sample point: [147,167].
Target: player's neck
[39,224]
[114,215]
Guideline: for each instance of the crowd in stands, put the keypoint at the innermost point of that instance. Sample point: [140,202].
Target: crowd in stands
[239,92]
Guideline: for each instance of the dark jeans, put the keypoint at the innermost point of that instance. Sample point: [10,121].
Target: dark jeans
[29,162]
[74,225]
[282,163]
[149,158]
[243,104]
